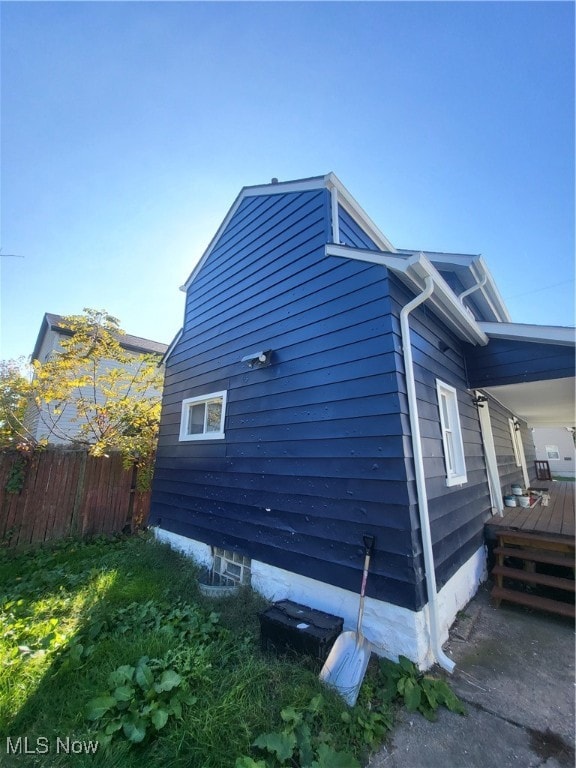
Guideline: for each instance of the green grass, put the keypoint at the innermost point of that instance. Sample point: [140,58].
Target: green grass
[74,613]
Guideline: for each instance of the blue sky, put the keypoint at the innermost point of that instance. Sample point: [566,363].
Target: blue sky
[128,129]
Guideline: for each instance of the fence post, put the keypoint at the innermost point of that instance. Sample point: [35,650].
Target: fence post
[79,495]
[128,526]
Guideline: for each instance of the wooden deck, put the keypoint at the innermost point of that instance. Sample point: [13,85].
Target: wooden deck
[528,543]
[557,519]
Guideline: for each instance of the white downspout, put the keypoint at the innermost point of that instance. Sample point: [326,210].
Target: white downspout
[435,643]
[473,288]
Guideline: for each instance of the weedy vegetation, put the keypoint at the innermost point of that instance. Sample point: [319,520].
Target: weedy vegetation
[109,640]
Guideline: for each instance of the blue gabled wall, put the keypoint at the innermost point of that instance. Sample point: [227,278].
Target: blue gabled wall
[317,450]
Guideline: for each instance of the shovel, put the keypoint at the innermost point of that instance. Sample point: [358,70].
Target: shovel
[346,664]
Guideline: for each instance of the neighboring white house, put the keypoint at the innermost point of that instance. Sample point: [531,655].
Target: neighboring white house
[556,446]
[41,423]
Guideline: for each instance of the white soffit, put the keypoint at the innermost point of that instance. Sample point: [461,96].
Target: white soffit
[540,403]
[543,334]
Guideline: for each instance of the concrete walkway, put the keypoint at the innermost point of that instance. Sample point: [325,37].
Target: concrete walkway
[515,673]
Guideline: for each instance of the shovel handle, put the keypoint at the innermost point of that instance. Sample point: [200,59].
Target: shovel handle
[369,544]
[367,556]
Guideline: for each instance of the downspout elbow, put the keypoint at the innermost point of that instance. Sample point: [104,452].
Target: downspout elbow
[473,288]
[435,644]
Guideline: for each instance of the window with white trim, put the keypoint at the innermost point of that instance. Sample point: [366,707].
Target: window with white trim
[451,434]
[203,417]
[552,452]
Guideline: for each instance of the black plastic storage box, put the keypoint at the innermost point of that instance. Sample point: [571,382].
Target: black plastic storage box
[288,626]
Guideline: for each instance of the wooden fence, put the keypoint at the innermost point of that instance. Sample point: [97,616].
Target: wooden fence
[59,493]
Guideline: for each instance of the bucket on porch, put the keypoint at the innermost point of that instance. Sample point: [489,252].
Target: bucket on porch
[509,501]
[524,501]
[517,490]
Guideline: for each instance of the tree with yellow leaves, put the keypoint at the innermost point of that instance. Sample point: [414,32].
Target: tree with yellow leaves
[91,392]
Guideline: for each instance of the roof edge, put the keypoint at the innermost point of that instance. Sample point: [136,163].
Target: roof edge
[329,181]
[353,207]
[536,334]
[128,341]
[273,188]
[413,270]
[171,346]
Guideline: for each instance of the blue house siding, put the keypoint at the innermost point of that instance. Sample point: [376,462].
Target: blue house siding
[457,513]
[318,448]
[352,234]
[316,451]
[505,361]
[508,471]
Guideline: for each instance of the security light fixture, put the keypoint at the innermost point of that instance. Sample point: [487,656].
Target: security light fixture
[258,359]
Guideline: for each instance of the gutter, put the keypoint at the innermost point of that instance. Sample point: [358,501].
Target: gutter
[413,271]
[435,644]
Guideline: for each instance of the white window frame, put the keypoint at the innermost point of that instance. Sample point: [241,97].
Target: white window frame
[552,449]
[454,458]
[205,435]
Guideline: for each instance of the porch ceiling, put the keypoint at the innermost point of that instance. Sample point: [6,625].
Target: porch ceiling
[540,403]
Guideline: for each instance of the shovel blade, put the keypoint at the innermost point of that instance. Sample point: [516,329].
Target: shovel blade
[346,664]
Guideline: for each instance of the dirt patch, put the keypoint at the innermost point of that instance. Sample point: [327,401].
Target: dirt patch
[547,744]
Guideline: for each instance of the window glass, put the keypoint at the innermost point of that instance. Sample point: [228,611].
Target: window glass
[451,434]
[203,417]
[214,416]
[196,419]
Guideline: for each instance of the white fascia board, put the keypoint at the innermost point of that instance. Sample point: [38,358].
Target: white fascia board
[351,206]
[213,242]
[490,290]
[541,334]
[413,270]
[478,269]
[285,187]
[450,259]
[281,188]
[444,299]
[171,346]
[330,181]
